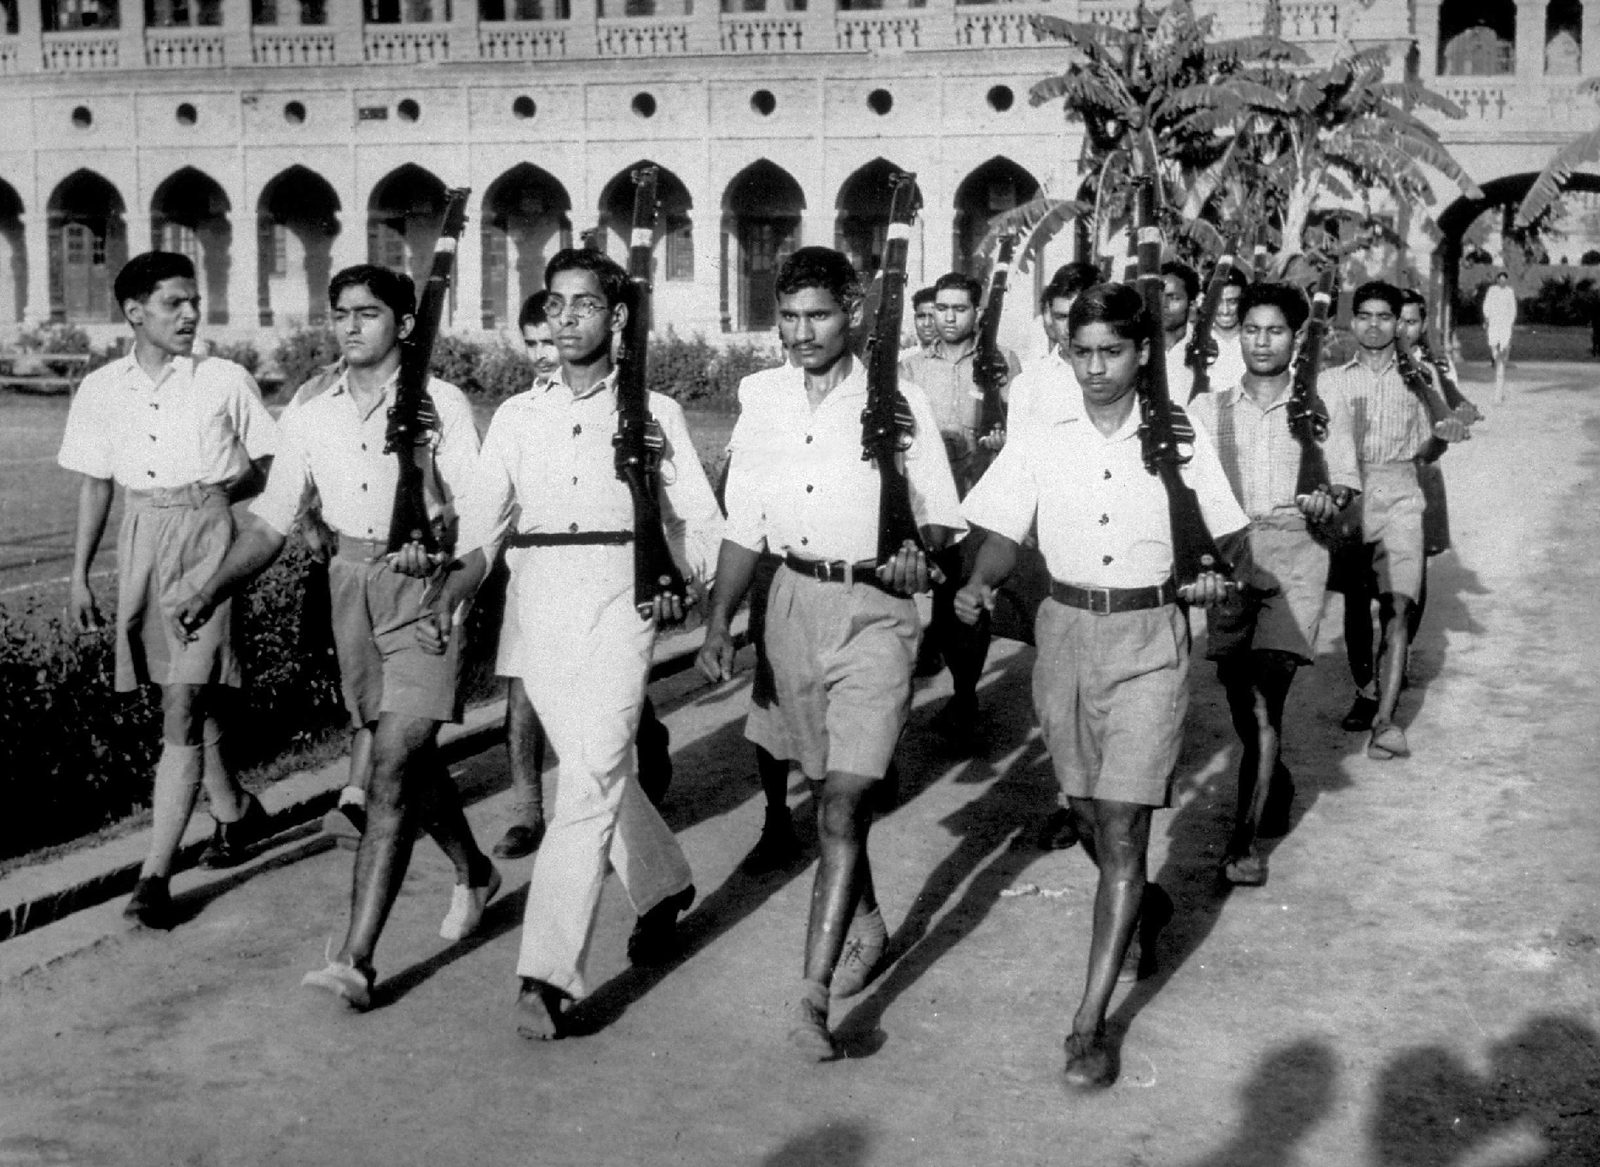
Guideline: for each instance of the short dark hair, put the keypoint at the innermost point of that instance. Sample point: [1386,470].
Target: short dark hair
[1117,305]
[1378,290]
[1286,298]
[820,267]
[1235,277]
[1412,296]
[143,274]
[954,281]
[612,278]
[1071,279]
[533,309]
[1186,275]
[922,296]
[394,290]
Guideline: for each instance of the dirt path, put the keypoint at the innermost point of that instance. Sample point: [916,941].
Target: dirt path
[1419,984]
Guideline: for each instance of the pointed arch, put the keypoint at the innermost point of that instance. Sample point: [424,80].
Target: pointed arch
[189,214]
[674,228]
[404,213]
[862,224]
[990,189]
[13,256]
[761,210]
[297,220]
[88,239]
[526,219]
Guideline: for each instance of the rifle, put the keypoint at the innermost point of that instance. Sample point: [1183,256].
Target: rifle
[412,417]
[990,372]
[1201,349]
[1161,424]
[1417,380]
[1308,416]
[1457,400]
[886,424]
[638,439]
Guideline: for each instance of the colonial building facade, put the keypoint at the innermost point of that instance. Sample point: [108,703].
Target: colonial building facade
[278,140]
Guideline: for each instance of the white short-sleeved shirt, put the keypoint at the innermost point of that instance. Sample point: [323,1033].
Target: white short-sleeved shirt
[1102,517]
[1390,424]
[201,422]
[1499,310]
[548,464]
[1180,377]
[328,445]
[1044,392]
[798,484]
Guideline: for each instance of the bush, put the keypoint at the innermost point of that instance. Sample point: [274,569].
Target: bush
[54,338]
[240,353]
[492,369]
[696,372]
[301,353]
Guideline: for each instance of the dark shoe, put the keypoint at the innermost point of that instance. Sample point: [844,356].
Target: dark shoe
[778,849]
[1091,1065]
[655,937]
[346,822]
[1058,832]
[1388,741]
[539,1011]
[808,1030]
[151,902]
[655,760]
[862,958]
[1154,915]
[1246,870]
[231,843]
[1361,714]
[1280,802]
[520,841]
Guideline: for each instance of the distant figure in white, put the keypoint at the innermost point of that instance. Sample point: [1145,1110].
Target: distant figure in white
[1499,314]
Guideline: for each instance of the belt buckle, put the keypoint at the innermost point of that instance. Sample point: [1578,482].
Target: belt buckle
[1099,600]
[820,571]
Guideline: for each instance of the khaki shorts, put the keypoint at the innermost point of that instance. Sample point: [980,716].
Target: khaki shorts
[1111,692]
[382,668]
[1391,519]
[1287,558]
[765,726]
[170,543]
[841,661]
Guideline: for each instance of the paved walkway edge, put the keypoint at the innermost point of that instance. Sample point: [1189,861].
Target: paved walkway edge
[45,893]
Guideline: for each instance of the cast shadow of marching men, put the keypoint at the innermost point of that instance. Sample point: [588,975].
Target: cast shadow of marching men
[1537,1103]
[836,1144]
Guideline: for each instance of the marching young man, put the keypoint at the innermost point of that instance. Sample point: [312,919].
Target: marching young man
[1111,677]
[842,629]
[331,446]
[924,321]
[1259,642]
[944,373]
[1391,427]
[525,740]
[185,436]
[1181,287]
[580,646]
[1228,367]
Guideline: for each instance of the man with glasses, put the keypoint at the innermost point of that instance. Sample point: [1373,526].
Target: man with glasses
[582,649]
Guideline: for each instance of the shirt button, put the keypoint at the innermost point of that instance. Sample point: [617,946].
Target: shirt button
[804,542]
[363,486]
[577,429]
[1104,519]
[573,528]
[574,480]
[151,473]
[809,488]
[152,437]
[1108,474]
[363,445]
[808,439]
[1106,559]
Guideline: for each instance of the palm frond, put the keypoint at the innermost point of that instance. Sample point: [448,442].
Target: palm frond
[1542,194]
[1034,222]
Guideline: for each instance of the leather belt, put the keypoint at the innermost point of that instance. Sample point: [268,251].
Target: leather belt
[1104,601]
[362,550]
[192,497]
[837,571]
[570,539]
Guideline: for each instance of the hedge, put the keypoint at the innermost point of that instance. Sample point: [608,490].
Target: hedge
[76,756]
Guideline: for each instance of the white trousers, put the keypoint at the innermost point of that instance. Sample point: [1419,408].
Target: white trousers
[585,675]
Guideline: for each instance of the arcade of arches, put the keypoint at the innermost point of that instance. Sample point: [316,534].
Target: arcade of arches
[1525,38]
[58,265]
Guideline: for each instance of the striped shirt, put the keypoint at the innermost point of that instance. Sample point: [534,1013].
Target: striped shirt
[1391,424]
[1260,454]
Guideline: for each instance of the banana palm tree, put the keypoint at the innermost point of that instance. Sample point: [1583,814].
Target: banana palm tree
[1542,195]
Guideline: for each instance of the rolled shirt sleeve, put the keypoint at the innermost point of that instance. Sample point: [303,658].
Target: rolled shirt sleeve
[487,503]
[289,483]
[689,512]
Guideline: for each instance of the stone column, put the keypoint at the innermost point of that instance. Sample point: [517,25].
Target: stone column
[938,24]
[817,28]
[130,45]
[1426,34]
[1591,38]
[237,48]
[36,246]
[1530,39]
[244,267]
[30,38]
[583,30]
[464,31]
[468,313]
[705,28]
[344,21]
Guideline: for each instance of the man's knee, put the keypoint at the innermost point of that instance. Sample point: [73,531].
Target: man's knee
[844,804]
[183,714]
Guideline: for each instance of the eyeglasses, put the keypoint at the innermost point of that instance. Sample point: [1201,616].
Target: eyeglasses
[581,307]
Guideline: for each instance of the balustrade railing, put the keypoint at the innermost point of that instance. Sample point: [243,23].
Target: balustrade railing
[291,46]
[183,48]
[523,40]
[1310,22]
[405,44]
[642,36]
[978,28]
[752,33]
[81,51]
[1117,13]
[879,31]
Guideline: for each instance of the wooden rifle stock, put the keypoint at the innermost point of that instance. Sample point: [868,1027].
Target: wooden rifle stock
[1193,549]
[412,418]
[638,440]
[1420,383]
[1201,349]
[990,372]
[886,422]
[1308,416]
